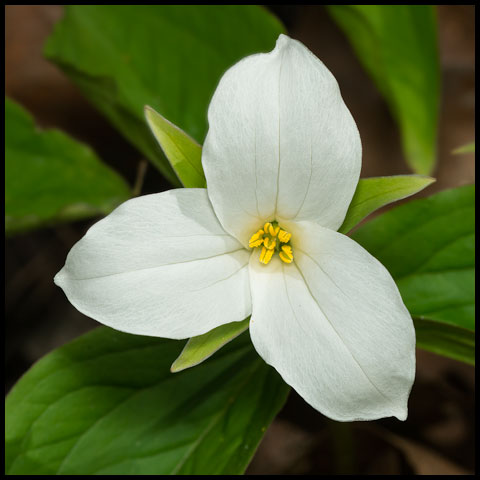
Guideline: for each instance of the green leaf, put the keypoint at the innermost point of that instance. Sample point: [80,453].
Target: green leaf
[468,148]
[107,404]
[397,45]
[204,346]
[170,57]
[373,193]
[183,153]
[453,342]
[49,177]
[428,245]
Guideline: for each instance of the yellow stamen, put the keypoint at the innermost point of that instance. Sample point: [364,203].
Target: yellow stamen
[285,258]
[256,239]
[270,243]
[266,255]
[256,243]
[266,239]
[284,236]
[273,231]
[286,253]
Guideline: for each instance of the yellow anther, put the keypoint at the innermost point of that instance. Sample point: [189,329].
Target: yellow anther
[256,239]
[285,258]
[267,226]
[286,254]
[270,243]
[256,243]
[266,255]
[273,231]
[284,236]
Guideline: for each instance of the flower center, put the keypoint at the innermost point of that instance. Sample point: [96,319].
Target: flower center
[272,239]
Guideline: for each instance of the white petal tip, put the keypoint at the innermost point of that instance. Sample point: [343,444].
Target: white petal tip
[57,280]
[402,415]
[282,40]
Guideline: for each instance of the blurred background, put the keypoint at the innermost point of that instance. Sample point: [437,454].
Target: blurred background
[438,437]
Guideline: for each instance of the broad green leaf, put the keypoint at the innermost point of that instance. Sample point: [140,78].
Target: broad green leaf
[170,57]
[198,349]
[107,404]
[428,245]
[397,45]
[183,153]
[468,148]
[373,193]
[49,177]
[453,342]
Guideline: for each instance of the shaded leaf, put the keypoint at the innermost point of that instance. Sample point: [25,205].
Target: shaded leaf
[49,177]
[397,45]
[170,57]
[107,404]
[373,193]
[447,340]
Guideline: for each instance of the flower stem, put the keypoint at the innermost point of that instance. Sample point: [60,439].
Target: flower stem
[343,447]
[142,169]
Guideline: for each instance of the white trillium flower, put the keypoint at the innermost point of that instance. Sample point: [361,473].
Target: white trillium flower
[282,160]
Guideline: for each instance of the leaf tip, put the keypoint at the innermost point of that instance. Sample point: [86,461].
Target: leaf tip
[176,367]
[151,114]
[426,181]
[429,180]
[148,110]
[468,148]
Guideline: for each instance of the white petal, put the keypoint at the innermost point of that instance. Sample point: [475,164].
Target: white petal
[281,143]
[334,326]
[159,265]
